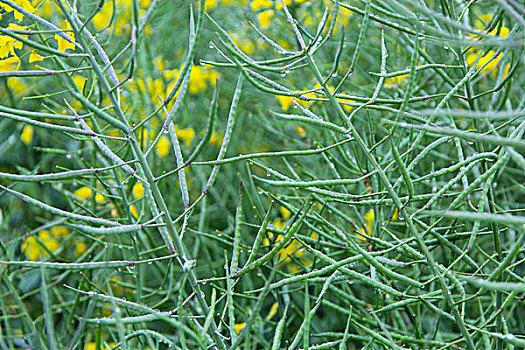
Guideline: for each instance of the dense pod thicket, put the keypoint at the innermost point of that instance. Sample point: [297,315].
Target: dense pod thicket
[262,174]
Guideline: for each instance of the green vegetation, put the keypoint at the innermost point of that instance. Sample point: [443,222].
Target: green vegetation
[262,174]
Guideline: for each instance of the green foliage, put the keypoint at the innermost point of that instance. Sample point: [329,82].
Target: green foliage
[262,174]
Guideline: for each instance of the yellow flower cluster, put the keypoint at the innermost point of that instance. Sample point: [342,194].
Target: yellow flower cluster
[25,4]
[163,145]
[186,135]
[488,60]
[123,9]
[396,81]
[8,56]
[39,245]
[216,139]
[104,346]
[64,44]
[266,9]
[211,4]
[369,223]
[343,17]
[9,59]
[199,78]
[84,193]
[287,101]
[17,86]
[293,248]
[34,250]
[244,44]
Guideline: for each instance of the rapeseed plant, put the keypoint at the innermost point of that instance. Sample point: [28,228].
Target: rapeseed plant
[261,174]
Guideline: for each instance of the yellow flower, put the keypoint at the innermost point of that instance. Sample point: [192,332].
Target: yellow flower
[279,5]
[244,44]
[163,146]
[239,327]
[312,18]
[27,134]
[6,65]
[198,80]
[208,5]
[285,44]
[59,231]
[286,102]
[138,190]
[9,44]
[16,85]
[506,70]
[396,81]
[264,18]
[490,59]
[80,248]
[32,248]
[259,4]
[35,57]
[116,285]
[104,346]
[80,81]
[234,2]
[292,248]
[369,223]
[99,198]
[6,46]
[212,76]
[63,44]
[102,17]
[346,107]
[156,89]
[185,135]
[215,139]
[273,311]
[278,224]
[25,4]
[133,210]
[148,30]
[285,212]
[395,216]
[369,220]
[300,131]
[83,193]
[159,63]
[482,22]
[46,9]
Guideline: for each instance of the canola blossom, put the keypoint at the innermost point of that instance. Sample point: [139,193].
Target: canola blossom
[488,60]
